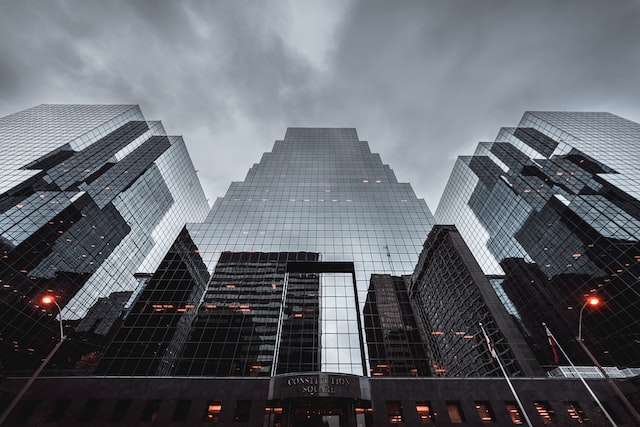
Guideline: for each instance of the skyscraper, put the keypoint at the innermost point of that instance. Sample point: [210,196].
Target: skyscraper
[292,250]
[551,211]
[89,196]
[291,305]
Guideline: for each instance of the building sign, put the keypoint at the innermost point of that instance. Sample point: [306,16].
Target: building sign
[313,385]
[321,384]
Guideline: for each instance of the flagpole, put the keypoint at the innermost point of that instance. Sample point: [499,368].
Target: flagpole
[506,377]
[593,395]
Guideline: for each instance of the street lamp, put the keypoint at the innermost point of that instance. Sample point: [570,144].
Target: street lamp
[46,300]
[593,302]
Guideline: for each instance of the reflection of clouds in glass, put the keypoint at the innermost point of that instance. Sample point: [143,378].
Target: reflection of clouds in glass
[340,339]
[344,340]
[330,327]
[343,326]
[344,355]
[332,367]
[331,356]
[330,341]
[343,314]
[354,341]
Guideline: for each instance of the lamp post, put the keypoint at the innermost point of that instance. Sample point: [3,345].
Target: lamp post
[594,302]
[46,300]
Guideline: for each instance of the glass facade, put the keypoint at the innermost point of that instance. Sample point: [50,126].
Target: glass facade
[89,195]
[397,346]
[453,297]
[292,250]
[551,211]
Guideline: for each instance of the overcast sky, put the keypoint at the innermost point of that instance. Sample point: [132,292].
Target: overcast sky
[422,81]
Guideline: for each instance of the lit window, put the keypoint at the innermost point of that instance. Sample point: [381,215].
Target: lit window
[514,413]
[484,411]
[394,412]
[213,411]
[544,410]
[575,412]
[423,408]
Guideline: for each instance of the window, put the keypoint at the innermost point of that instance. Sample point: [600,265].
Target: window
[89,410]
[575,412]
[607,408]
[181,411]
[514,413]
[243,411]
[120,410]
[545,411]
[150,411]
[59,408]
[27,409]
[485,412]
[394,412]
[213,411]
[455,412]
[425,413]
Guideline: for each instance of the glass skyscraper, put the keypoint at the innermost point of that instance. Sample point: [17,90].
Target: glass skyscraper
[90,195]
[292,249]
[551,210]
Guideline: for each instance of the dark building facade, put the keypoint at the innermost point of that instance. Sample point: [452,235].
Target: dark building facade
[313,399]
[550,210]
[397,346]
[89,196]
[453,297]
[155,329]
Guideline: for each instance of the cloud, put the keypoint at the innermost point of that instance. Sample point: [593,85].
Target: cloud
[423,81]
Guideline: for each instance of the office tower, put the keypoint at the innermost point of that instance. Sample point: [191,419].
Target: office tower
[292,249]
[89,196]
[550,209]
[452,297]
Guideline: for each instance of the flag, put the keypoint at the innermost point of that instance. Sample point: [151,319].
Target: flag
[552,343]
[492,350]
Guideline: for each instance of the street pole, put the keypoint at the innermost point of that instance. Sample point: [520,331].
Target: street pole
[612,383]
[26,386]
[591,392]
[495,354]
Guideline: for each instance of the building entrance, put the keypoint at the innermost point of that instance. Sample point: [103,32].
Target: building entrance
[320,412]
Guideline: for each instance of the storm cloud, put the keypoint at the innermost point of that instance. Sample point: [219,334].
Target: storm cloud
[422,81]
